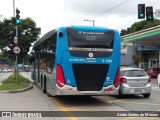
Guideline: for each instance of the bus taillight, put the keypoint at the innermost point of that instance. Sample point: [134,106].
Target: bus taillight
[117,78]
[59,76]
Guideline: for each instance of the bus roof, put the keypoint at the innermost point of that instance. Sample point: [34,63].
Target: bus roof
[47,35]
[78,27]
[89,28]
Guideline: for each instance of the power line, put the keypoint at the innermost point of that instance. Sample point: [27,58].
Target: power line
[112,8]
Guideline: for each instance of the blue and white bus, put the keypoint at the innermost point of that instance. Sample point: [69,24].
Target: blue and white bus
[77,60]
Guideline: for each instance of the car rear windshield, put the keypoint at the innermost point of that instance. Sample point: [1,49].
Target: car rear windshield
[134,73]
[156,69]
[90,39]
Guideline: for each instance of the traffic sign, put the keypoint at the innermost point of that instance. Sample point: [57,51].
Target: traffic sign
[15,40]
[16,50]
[157,13]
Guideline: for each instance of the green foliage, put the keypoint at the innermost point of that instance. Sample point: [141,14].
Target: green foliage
[140,26]
[146,55]
[27,33]
[4,60]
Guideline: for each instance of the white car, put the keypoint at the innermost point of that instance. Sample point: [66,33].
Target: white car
[134,81]
[5,70]
[9,70]
[158,80]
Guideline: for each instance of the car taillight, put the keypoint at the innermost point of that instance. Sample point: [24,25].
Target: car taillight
[149,79]
[59,76]
[123,80]
[117,78]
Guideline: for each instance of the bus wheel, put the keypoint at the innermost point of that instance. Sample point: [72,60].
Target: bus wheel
[49,95]
[44,90]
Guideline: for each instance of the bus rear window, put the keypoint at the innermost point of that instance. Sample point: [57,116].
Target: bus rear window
[90,39]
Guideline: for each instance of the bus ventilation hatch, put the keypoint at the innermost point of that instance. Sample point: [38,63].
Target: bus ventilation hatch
[90,77]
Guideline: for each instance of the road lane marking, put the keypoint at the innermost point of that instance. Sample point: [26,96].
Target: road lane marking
[102,102]
[77,107]
[112,101]
[64,109]
[140,103]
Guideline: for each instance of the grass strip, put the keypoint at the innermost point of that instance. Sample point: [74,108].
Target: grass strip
[11,83]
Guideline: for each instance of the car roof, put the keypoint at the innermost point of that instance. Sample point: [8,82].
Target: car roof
[130,68]
[155,68]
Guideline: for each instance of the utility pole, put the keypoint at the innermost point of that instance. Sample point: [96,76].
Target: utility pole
[14,8]
[15,64]
[1,17]
[17,56]
[16,49]
[90,21]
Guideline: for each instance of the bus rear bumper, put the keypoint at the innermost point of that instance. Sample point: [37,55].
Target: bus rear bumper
[69,90]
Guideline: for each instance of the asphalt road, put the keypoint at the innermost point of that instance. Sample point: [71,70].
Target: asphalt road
[35,100]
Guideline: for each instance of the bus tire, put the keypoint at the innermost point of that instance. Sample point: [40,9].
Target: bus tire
[45,86]
[41,81]
[49,95]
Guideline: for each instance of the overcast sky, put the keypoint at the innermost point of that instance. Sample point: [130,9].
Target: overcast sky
[50,14]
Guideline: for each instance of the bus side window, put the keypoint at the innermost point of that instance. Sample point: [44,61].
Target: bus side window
[31,59]
[50,65]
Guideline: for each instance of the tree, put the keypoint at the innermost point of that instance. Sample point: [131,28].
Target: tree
[27,33]
[140,26]
[4,60]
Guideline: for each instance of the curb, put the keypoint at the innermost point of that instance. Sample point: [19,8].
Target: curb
[19,90]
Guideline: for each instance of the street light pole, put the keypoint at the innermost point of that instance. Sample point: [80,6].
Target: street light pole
[1,17]
[17,56]
[16,62]
[90,21]
[14,8]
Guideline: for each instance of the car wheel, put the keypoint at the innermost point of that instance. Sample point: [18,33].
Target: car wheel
[147,95]
[119,94]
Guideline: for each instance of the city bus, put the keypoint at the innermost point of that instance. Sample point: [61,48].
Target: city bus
[77,60]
